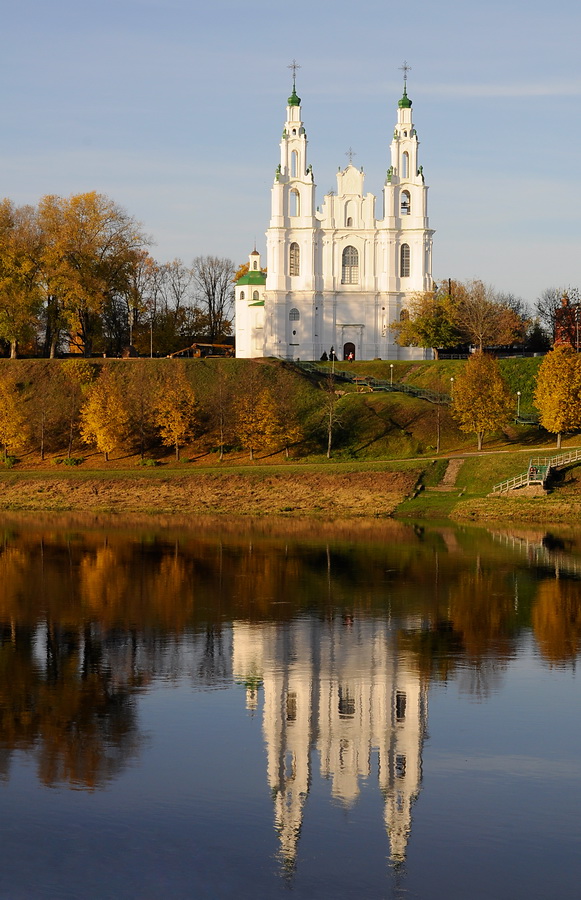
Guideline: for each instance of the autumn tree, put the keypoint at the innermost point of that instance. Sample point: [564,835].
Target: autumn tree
[175,407]
[481,399]
[558,391]
[220,408]
[427,322]
[78,375]
[548,305]
[331,418]
[254,409]
[214,291]
[484,319]
[14,430]
[20,253]
[104,415]
[91,247]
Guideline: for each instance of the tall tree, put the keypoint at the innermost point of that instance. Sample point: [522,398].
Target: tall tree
[550,302]
[214,289]
[483,318]
[20,252]
[92,247]
[558,391]
[104,415]
[481,399]
[427,322]
[175,407]
[14,429]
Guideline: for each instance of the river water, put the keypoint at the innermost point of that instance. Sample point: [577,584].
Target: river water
[243,710]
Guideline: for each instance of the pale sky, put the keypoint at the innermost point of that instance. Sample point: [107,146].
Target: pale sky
[175,108]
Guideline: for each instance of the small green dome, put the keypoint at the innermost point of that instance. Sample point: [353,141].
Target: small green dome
[293,100]
[405,102]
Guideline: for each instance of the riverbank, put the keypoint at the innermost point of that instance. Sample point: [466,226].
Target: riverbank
[260,492]
[455,488]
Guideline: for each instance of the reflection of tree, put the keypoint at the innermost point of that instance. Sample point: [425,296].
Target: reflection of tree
[79,720]
[482,610]
[556,619]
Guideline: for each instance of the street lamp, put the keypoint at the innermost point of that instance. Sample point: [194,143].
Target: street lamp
[451,386]
[518,404]
[391,374]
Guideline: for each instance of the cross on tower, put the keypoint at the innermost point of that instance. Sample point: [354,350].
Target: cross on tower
[294,66]
[405,69]
[350,153]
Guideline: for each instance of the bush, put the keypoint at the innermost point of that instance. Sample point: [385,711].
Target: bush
[69,460]
[150,463]
[10,461]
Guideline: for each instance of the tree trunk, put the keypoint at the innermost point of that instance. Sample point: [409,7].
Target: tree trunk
[480,435]
[558,440]
[13,349]
[177,452]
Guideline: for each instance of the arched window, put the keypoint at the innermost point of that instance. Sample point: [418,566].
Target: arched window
[295,203]
[404,315]
[295,259]
[294,163]
[255,266]
[404,261]
[406,203]
[294,315]
[350,267]
[255,295]
[242,295]
[405,165]
[349,222]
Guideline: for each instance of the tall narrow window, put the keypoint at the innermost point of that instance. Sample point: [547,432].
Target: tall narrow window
[400,705]
[406,204]
[295,259]
[242,295]
[295,203]
[294,315]
[255,265]
[405,165]
[350,267]
[404,269]
[404,315]
[255,295]
[294,164]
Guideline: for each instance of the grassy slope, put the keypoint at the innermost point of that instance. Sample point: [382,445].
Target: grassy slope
[374,429]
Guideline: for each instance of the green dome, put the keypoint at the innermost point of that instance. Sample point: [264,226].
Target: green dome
[293,100]
[405,102]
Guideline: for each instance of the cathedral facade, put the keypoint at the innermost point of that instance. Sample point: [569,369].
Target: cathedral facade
[337,276]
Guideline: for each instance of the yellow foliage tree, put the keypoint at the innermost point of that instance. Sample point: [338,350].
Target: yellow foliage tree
[558,391]
[104,415]
[20,251]
[14,429]
[257,423]
[175,408]
[481,398]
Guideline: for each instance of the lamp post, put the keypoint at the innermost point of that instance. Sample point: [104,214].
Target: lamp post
[452,386]
[391,374]
[518,404]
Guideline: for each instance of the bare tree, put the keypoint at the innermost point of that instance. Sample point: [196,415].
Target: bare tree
[550,302]
[214,289]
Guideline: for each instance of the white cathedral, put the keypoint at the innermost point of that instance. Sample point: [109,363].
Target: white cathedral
[337,276]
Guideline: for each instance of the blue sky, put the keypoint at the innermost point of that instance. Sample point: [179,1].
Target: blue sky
[174,109]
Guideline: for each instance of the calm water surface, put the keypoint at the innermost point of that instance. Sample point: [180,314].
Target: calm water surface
[252,710]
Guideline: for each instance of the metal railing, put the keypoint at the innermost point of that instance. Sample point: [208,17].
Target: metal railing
[538,471]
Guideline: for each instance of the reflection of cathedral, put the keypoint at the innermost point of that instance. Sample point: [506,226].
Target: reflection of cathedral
[341,688]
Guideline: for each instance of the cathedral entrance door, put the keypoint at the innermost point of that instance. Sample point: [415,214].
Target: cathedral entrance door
[349,350]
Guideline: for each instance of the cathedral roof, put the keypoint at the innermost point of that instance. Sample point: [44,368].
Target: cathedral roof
[294,100]
[253,277]
[405,102]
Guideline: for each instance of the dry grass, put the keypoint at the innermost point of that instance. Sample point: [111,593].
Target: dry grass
[348,494]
